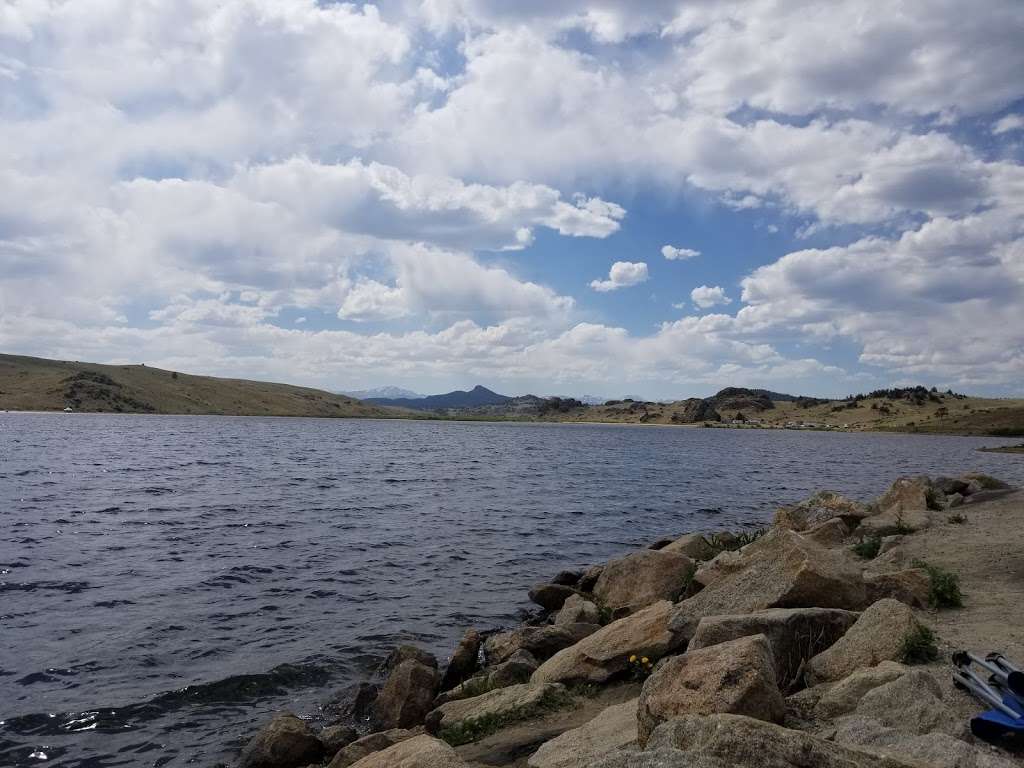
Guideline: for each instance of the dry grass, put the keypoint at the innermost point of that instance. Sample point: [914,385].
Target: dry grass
[35,384]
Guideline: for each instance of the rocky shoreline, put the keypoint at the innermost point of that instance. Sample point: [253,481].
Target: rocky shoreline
[810,643]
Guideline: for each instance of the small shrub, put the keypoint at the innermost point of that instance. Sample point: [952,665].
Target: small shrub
[604,614]
[919,646]
[944,589]
[956,518]
[867,548]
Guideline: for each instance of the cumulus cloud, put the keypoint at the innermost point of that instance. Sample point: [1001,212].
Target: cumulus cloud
[1008,123]
[672,253]
[705,296]
[161,165]
[623,274]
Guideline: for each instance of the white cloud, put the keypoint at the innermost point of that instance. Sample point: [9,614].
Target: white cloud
[623,274]
[672,253]
[1008,123]
[705,296]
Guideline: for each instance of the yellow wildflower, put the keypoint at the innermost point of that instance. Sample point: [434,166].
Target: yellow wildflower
[644,660]
[632,659]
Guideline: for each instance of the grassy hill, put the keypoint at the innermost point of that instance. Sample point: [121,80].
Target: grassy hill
[36,384]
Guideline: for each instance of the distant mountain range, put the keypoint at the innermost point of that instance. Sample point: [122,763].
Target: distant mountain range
[389,393]
[477,397]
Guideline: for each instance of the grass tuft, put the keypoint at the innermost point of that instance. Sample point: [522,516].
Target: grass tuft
[944,589]
[867,548]
[478,728]
[919,646]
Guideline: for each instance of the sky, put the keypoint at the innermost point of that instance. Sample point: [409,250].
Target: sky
[655,198]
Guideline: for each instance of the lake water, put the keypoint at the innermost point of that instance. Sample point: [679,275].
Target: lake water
[168,582]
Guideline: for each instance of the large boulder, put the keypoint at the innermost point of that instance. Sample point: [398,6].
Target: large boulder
[418,752]
[578,610]
[541,642]
[551,597]
[464,661]
[737,677]
[515,702]
[735,741]
[642,578]
[875,637]
[843,697]
[907,494]
[781,569]
[830,533]
[611,730]
[407,695]
[606,652]
[374,742]
[795,634]
[693,545]
[284,742]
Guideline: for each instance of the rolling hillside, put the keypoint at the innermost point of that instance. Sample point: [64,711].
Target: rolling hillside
[37,384]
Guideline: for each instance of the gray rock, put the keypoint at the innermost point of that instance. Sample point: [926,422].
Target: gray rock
[551,597]
[464,662]
[407,695]
[693,545]
[511,701]
[830,533]
[737,677]
[417,752]
[374,742]
[541,642]
[335,737]
[567,578]
[517,668]
[795,634]
[911,586]
[578,610]
[844,696]
[284,742]
[589,578]
[912,703]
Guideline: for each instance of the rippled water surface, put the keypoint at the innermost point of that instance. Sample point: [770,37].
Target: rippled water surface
[167,582]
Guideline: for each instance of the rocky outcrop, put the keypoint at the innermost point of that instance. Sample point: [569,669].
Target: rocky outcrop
[735,741]
[284,742]
[540,642]
[613,729]
[578,610]
[606,652]
[794,634]
[418,752]
[374,742]
[819,508]
[875,637]
[514,701]
[409,691]
[780,570]
[912,703]
[642,578]
[464,661]
[736,677]
[693,410]
[516,669]
[934,750]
